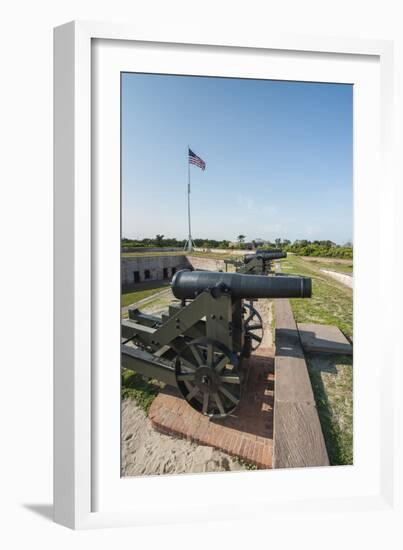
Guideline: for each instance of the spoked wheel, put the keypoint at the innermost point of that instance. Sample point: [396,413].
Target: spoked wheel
[208,378]
[253,326]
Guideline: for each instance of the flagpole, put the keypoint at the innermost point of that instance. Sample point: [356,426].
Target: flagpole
[189,243]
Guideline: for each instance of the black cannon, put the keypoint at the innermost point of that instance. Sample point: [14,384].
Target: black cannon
[200,343]
[259,263]
[265,255]
[188,284]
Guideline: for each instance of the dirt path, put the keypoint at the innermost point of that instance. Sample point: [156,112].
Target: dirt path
[164,295]
[265,308]
[315,259]
[344,278]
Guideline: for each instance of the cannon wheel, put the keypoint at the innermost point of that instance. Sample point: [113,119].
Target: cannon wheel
[208,378]
[253,326]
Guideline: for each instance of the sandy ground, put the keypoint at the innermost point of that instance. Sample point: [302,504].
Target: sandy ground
[147,452]
[344,278]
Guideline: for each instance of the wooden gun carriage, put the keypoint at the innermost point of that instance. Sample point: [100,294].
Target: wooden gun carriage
[199,345]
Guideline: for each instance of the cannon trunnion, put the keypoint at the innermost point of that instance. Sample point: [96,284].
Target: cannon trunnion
[200,343]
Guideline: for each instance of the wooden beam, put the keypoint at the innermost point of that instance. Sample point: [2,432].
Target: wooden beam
[298,437]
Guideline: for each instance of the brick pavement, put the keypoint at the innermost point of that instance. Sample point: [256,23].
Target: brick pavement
[247,434]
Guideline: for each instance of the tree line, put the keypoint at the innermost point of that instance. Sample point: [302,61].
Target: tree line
[160,241]
[301,247]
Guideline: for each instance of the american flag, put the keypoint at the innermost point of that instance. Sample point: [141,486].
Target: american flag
[194,159]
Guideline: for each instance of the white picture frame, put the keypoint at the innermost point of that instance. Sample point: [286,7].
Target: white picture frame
[87,491]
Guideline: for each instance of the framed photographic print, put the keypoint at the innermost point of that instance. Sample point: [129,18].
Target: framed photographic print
[211,200]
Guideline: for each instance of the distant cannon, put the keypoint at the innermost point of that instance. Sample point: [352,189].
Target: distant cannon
[259,263]
[200,343]
[266,255]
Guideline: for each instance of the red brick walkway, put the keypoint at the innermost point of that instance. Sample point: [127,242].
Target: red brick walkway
[248,433]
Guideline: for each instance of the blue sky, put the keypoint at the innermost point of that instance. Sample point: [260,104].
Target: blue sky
[278,155]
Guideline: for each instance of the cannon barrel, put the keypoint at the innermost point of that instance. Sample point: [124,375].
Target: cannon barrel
[188,284]
[271,254]
[271,251]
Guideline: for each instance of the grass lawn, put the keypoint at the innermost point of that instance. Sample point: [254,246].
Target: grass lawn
[135,387]
[139,254]
[331,375]
[208,255]
[332,383]
[331,302]
[133,296]
[217,255]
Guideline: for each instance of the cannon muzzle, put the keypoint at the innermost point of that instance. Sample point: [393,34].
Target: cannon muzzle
[188,284]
